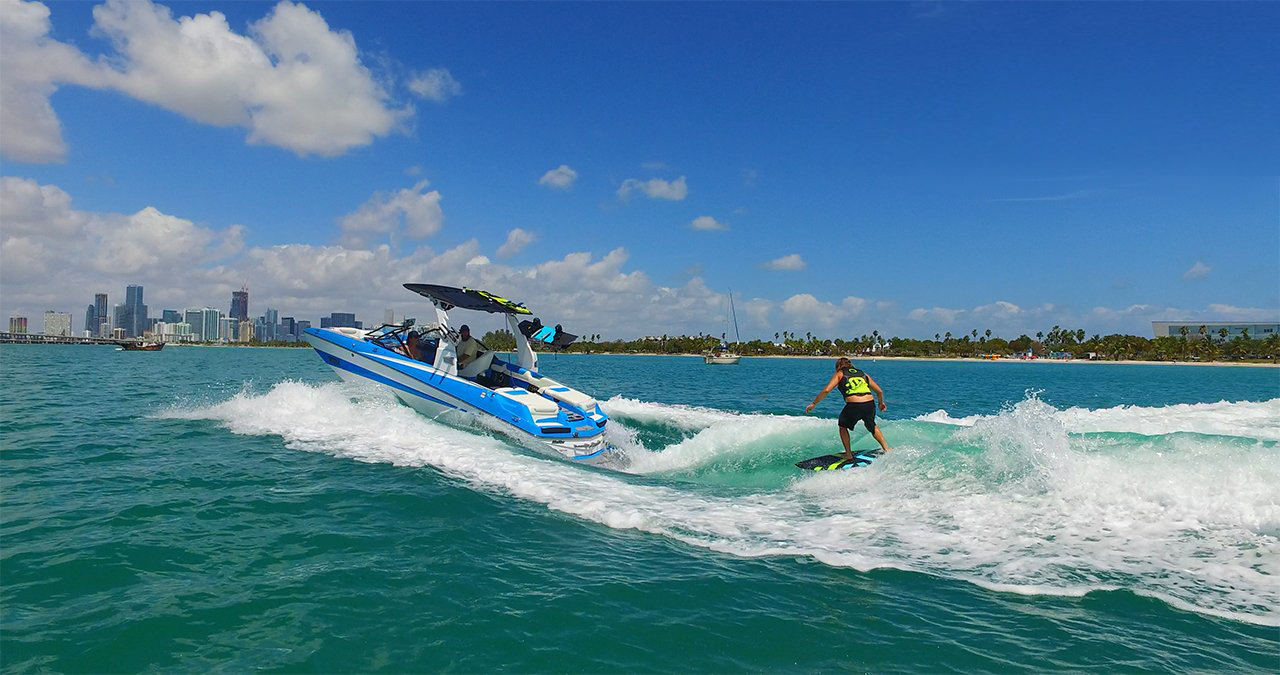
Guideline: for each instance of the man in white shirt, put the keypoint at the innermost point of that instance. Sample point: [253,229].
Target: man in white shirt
[468,348]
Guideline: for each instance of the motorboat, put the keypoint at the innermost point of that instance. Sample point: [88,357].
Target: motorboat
[504,393]
[140,346]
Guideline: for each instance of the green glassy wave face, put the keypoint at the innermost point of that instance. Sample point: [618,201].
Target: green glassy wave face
[241,509]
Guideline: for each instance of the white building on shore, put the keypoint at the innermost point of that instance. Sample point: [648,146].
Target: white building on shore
[1213,329]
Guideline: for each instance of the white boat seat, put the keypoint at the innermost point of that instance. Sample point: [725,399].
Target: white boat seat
[480,364]
[572,397]
[526,376]
[539,406]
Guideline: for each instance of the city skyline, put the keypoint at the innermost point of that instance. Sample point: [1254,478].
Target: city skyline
[198,317]
[901,167]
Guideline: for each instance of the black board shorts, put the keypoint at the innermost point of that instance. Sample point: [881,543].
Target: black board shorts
[864,412]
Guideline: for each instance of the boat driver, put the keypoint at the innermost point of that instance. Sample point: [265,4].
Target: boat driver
[468,348]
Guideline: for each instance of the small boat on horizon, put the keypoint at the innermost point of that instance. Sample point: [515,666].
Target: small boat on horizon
[140,346]
[722,354]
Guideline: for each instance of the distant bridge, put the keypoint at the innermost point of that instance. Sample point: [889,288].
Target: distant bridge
[41,339]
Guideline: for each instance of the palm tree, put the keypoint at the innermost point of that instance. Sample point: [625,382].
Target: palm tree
[988,333]
[1222,332]
[937,337]
[776,337]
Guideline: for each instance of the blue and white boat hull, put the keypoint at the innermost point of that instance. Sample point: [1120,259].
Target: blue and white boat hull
[567,422]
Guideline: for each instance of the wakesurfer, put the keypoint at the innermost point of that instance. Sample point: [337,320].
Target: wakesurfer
[858,388]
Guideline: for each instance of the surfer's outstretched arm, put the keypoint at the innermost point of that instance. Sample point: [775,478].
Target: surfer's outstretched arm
[875,388]
[835,379]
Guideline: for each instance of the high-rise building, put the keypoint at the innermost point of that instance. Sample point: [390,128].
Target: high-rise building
[90,320]
[270,321]
[195,319]
[341,320]
[227,328]
[301,326]
[212,325]
[57,323]
[103,311]
[135,314]
[121,319]
[18,324]
[288,327]
[245,333]
[171,316]
[240,305]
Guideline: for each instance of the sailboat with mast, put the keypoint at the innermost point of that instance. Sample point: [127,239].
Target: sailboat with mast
[723,354]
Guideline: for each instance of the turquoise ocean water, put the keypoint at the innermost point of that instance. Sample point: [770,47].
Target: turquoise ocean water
[240,509]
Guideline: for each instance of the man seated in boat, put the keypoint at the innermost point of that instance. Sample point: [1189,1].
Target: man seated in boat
[468,348]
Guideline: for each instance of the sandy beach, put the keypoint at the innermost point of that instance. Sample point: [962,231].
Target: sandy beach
[873,359]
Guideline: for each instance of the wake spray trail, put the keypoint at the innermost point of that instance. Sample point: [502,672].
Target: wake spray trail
[1012,503]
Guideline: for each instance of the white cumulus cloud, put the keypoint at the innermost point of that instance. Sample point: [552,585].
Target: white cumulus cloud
[787,262]
[290,81]
[436,84]
[708,223]
[34,65]
[52,255]
[517,240]
[655,188]
[1222,312]
[803,309]
[938,315]
[1197,271]
[561,177]
[410,212]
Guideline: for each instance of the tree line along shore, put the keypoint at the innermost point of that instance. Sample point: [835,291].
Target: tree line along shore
[1057,343]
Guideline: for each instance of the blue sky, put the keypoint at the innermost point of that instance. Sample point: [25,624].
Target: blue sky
[905,167]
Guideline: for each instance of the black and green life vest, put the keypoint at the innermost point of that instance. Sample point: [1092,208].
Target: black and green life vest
[853,382]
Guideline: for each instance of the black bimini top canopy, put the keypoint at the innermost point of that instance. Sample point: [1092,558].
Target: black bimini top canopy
[468,298]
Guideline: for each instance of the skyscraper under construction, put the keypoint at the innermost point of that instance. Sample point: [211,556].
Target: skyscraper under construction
[239,305]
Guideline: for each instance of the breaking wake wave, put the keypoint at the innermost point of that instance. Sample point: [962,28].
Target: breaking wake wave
[1245,419]
[1180,503]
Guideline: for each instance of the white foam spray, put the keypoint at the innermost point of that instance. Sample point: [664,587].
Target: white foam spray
[1012,502]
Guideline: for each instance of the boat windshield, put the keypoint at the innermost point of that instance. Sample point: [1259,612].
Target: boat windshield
[396,336]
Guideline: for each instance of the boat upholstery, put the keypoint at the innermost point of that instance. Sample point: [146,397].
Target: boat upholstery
[572,397]
[479,365]
[539,406]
